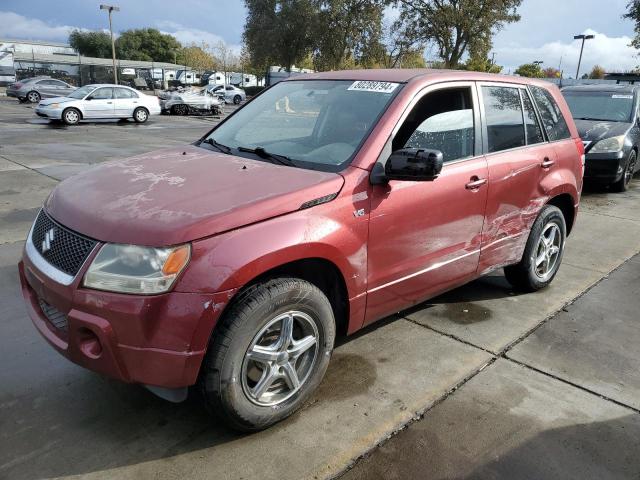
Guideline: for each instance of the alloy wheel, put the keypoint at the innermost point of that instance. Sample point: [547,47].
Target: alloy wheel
[33,97]
[280,358]
[628,173]
[548,251]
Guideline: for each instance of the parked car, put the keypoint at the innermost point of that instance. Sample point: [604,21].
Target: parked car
[329,201]
[232,94]
[187,101]
[100,101]
[608,122]
[33,90]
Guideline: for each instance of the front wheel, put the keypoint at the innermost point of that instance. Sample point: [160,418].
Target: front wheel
[140,115]
[71,116]
[623,184]
[237,99]
[542,254]
[269,353]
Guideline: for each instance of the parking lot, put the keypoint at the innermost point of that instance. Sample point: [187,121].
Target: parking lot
[479,382]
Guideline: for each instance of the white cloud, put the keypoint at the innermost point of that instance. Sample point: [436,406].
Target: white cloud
[14,26]
[187,36]
[612,53]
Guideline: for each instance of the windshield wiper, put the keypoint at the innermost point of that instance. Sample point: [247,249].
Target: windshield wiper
[262,153]
[591,119]
[219,146]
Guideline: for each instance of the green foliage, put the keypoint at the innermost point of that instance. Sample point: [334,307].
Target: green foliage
[147,44]
[91,44]
[455,27]
[531,70]
[551,72]
[633,14]
[279,32]
[196,57]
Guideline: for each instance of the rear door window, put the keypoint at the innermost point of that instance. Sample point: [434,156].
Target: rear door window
[534,131]
[552,119]
[503,117]
[125,93]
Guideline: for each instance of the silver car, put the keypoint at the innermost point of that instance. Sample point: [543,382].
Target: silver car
[100,101]
[35,89]
[232,94]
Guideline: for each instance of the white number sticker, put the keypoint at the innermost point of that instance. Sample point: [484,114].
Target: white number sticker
[370,86]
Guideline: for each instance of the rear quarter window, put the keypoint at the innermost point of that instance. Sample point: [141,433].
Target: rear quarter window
[554,123]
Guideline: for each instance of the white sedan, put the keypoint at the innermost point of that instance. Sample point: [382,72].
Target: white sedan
[98,102]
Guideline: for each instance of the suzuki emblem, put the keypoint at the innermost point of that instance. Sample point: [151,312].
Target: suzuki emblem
[48,239]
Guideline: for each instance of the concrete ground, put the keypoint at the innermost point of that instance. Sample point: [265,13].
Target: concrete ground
[498,378]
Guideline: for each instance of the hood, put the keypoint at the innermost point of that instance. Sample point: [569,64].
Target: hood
[49,101]
[181,194]
[595,130]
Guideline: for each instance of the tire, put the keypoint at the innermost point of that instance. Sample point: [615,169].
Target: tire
[180,109]
[71,116]
[230,377]
[141,115]
[237,99]
[530,275]
[33,97]
[623,184]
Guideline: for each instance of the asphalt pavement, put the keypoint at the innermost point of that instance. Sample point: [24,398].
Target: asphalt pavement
[482,382]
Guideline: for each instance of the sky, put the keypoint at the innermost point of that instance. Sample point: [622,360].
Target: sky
[544,33]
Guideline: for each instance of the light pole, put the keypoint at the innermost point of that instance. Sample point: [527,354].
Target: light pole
[111,8]
[584,38]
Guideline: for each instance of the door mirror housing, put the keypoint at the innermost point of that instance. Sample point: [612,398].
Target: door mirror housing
[414,164]
[89,98]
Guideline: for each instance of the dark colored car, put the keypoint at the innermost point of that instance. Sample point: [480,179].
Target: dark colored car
[33,90]
[609,125]
[327,202]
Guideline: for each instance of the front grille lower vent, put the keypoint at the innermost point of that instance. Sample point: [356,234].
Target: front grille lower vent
[61,247]
[55,316]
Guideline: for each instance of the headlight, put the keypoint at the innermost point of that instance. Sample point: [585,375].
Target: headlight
[134,269]
[608,145]
[54,105]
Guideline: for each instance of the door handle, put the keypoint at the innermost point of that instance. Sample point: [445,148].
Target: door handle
[109,103]
[475,183]
[548,163]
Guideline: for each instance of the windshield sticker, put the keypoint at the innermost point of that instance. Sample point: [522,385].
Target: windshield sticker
[628,97]
[369,86]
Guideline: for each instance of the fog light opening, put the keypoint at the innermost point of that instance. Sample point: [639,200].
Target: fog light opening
[89,343]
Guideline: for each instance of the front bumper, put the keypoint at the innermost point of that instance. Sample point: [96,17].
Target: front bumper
[604,167]
[52,113]
[155,340]
[12,93]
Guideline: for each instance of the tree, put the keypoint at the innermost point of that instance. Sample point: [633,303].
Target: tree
[633,13]
[479,60]
[279,32]
[91,44]
[457,26]
[531,70]
[196,57]
[225,57]
[597,72]
[551,72]
[147,44]
[348,33]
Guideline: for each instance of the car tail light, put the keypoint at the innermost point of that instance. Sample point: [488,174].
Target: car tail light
[17,85]
[580,146]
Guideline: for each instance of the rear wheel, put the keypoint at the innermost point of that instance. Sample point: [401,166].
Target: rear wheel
[33,97]
[140,115]
[623,184]
[542,254]
[237,99]
[71,116]
[269,353]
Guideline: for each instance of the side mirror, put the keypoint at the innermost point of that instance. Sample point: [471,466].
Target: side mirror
[89,98]
[414,164]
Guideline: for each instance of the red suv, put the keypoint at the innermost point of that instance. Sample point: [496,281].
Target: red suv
[327,202]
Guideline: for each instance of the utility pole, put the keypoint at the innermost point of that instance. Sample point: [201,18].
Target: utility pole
[583,38]
[111,8]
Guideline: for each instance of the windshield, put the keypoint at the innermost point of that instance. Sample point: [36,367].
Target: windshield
[82,92]
[605,106]
[317,124]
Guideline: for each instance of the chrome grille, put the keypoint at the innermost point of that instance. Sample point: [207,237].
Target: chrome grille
[55,316]
[59,246]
